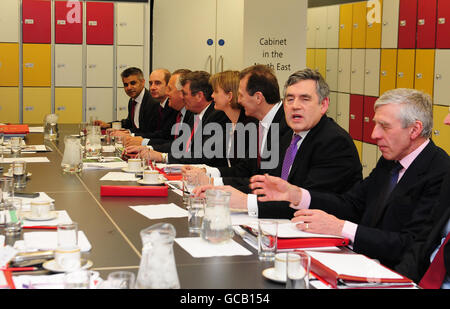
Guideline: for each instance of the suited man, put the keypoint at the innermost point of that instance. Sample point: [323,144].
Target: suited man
[379,224]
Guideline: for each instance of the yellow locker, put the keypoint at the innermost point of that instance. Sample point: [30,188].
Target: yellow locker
[9,105]
[388,70]
[358,145]
[69,104]
[311,58]
[405,68]
[369,158]
[424,77]
[373,31]
[36,104]
[321,61]
[359,25]
[9,64]
[441,132]
[345,25]
[36,65]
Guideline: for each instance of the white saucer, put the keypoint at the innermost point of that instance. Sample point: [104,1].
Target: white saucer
[126,170]
[142,182]
[270,274]
[53,266]
[8,174]
[51,215]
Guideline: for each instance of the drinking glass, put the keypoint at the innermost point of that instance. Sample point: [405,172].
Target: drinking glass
[267,239]
[121,280]
[298,265]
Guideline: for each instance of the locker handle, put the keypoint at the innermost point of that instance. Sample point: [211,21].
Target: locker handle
[121,66]
[366,119]
[29,65]
[352,117]
[342,26]
[61,65]
[60,22]
[436,132]
[91,108]
[383,73]
[123,24]
[92,23]
[329,27]
[61,108]
[421,22]
[441,20]
[438,76]
[328,70]
[403,23]
[353,71]
[419,75]
[355,26]
[29,21]
[221,63]
[340,70]
[401,74]
[369,25]
[385,23]
[92,66]
[122,108]
[29,108]
[368,72]
[210,64]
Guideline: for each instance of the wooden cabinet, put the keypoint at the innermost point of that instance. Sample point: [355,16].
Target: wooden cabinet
[368,124]
[343,110]
[99,104]
[68,104]
[332,26]
[321,62]
[344,70]
[128,56]
[356,116]
[369,158]
[373,27]
[332,106]
[443,24]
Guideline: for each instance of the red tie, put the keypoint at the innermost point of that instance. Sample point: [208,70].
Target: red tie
[177,124]
[133,105]
[260,136]
[197,119]
[435,274]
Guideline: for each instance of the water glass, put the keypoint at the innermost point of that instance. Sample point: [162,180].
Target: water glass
[121,280]
[68,253]
[93,144]
[79,279]
[73,155]
[298,265]
[189,181]
[19,173]
[196,211]
[16,146]
[267,239]
[13,216]
[6,188]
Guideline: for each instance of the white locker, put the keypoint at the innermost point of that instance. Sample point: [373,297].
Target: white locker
[321,26]
[389,29]
[129,56]
[332,68]
[99,104]
[372,72]
[332,107]
[344,68]
[310,29]
[68,65]
[130,23]
[369,158]
[442,77]
[122,104]
[333,26]
[343,110]
[100,66]
[357,72]
[9,21]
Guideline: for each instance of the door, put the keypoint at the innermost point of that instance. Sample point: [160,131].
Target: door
[359,25]
[321,27]
[332,106]
[36,21]
[424,77]
[9,105]
[369,158]
[69,105]
[333,26]
[388,70]
[100,66]
[442,77]
[356,116]
[343,110]
[37,65]
[122,104]
[373,28]
[37,103]
[68,65]
[407,24]
[310,27]
[405,69]
[130,24]
[368,123]
[344,71]
[357,77]
[9,64]
[9,21]
[426,23]
[129,56]
[345,25]
[443,24]
[321,62]
[441,132]
[311,58]
[99,23]
[332,69]
[389,29]
[68,22]
[99,104]
[372,72]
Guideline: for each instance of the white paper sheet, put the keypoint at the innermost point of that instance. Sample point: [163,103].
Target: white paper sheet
[27,159]
[63,218]
[26,202]
[106,165]
[36,129]
[49,241]
[197,247]
[161,211]
[119,176]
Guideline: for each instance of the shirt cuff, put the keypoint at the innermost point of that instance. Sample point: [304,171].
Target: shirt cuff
[145,141]
[212,171]
[252,205]
[304,202]
[349,230]
[217,181]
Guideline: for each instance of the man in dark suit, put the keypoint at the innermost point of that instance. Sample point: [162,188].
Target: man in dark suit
[384,213]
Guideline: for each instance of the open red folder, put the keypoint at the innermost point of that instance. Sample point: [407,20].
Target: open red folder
[134,190]
[15,129]
[7,278]
[169,176]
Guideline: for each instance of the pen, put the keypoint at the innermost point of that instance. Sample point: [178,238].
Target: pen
[41,227]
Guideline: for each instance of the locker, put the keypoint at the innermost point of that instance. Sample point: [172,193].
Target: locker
[69,105]
[407,24]
[9,21]
[332,68]
[356,116]
[441,133]
[389,29]
[345,25]
[442,77]
[68,65]
[99,23]
[426,23]
[372,72]
[100,66]
[99,104]
[333,26]
[343,110]
[358,145]
[321,62]
[9,105]
[36,104]
[9,64]
[424,76]
[388,70]
[359,25]
[405,68]
[122,104]
[310,58]
[373,30]
[369,158]
[443,24]
[129,56]
[310,28]
[68,22]
[357,76]
[130,23]
[37,65]
[344,71]
[36,21]
[321,27]
[368,123]
[332,106]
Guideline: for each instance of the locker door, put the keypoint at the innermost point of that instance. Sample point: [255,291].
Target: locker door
[426,23]
[344,71]
[369,158]
[321,27]
[443,24]
[37,65]
[389,32]
[333,26]
[9,64]
[68,65]
[357,77]
[372,72]
[99,23]
[129,56]
[373,30]
[358,145]
[345,25]
[407,24]
[100,66]
[343,110]
[368,123]
[122,104]
[68,22]
[424,76]
[321,61]
[332,106]
[130,23]
[69,104]
[388,70]
[442,77]
[405,69]
[311,58]
[441,132]
[332,68]
[356,116]
[9,105]
[359,25]
[99,104]
[36,21]
[310,28]
[36,104]
[9,21]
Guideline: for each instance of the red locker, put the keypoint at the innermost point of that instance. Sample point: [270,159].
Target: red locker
[443,24]
[68,22]
[368,123]
[356,116]
[426,23]
[99,23]
[407,24]
[36,21]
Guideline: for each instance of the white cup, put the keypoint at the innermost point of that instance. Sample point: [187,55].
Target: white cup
[40,209]
[69,258]
[116,125]
[151,176]
[280,265]
[135,165]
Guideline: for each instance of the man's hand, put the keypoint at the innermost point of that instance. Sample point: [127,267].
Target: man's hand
[149,154]
[238,199]
[135,149]
[121,132]
[318,221]
[133,141]
[274,189]
[102,124]
[199,173]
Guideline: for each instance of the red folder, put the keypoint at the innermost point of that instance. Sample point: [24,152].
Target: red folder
[15,129]
[292,243]
[171,176]
[8,279]
[134,190]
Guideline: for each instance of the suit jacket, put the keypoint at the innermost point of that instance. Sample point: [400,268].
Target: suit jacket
[166,145]
[145,115]
[164,118]
[384,232]
[327,161]
[416,260]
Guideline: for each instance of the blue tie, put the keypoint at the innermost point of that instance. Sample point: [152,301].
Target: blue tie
[394,178]
[290,156]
